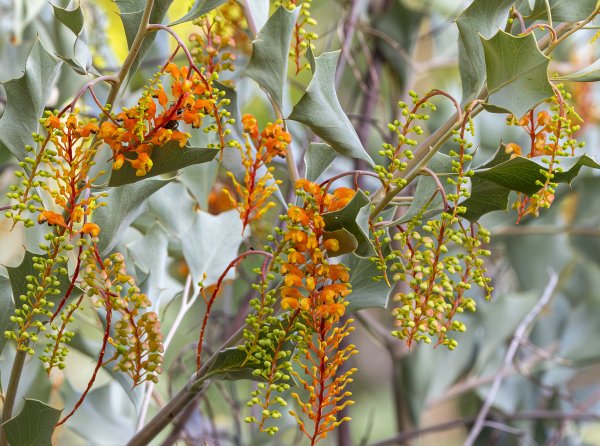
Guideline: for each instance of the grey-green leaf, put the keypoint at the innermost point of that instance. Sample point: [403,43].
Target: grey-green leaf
[211,243]
[561,10]
[269,61]
[317,159]
[167,158]
[199,8]
[354,217]
[71,18]
[25,100]
[588,74]
[33,426]
[517,73]
[487,196]
[320,109]
[366,292]
[525,174]
[482,17]
[124,204]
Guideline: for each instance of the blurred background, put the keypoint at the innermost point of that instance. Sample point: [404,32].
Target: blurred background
[550,392]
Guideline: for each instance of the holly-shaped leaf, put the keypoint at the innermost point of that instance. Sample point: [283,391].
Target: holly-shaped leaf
[167,158]
[493,181]
[33,426]
[25,100]
[72,18]
[320,109]
[123,205]
[517,78]
[485,18]
[269,60]
[525,174]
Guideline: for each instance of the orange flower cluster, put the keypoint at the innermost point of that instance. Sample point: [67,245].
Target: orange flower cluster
[538,129]
[66,155]
[311,282]
[316,290]
[550,136]
[259,184]
[153,121]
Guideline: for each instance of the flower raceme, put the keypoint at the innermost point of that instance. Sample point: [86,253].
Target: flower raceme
[550,135]
[311,283]
[312,297]
[138,130]
[317,289]
[257,153]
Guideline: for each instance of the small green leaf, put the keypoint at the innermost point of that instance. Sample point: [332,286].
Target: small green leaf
[561,10]
[354,217]
[320,109]
[211,243]
[524,174]
[7,307]
[269,60]
[33,426]
[483,18]
[25,100]
[317,159]
[123,205]
[72,18]
[229,365]
[167,158]
[366,292]
[588,74]
[517,78]
[199,8]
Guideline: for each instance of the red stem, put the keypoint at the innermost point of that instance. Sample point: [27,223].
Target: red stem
[100,360]
[213,297]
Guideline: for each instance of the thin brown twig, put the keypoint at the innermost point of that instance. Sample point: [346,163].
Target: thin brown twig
[520,334]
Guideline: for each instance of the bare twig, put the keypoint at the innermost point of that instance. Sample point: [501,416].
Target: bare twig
[518,338]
